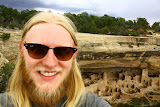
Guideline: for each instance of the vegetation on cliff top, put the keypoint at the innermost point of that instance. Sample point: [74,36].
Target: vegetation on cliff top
[85,22]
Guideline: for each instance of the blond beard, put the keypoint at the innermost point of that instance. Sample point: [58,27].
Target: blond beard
[43,98]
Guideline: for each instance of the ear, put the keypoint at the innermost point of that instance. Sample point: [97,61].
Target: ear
[20,48]
[75,55]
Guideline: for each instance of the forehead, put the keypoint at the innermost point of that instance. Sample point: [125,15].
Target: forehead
[49,34]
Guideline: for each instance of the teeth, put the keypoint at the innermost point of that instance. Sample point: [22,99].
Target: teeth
[48,74]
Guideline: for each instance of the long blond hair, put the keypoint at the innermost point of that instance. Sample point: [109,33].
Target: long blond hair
[18,92]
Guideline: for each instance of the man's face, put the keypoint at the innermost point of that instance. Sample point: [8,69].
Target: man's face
[48,73]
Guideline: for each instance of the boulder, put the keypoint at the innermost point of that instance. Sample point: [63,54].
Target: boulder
[92,88]
[3,60]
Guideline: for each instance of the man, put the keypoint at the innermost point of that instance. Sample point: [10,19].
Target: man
[47,73]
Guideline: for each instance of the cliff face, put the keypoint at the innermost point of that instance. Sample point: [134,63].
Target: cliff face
[107,62]
[119,52]
[120,68]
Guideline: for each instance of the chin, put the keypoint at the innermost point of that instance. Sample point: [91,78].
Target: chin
[46,86]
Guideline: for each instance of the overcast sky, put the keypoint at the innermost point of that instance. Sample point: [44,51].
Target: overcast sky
[128,9]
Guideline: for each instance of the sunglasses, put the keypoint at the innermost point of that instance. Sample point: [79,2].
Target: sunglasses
[38,51]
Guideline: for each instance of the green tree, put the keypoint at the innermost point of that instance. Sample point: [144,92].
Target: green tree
[25,15]
[84,22]
[5,14]
[74,19]
[109,21]
[156,26]
[93,28]
[142,24]
[120,21]
[16,18]
[114,30]
[104,30]
[99,21]
[129,24]
[85,14]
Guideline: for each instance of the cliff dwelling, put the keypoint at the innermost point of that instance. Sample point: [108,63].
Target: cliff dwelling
[122,86]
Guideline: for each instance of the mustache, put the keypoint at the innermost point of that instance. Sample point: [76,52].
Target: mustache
[42,68]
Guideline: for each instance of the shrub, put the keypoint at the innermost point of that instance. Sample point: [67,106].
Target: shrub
[113,33]
[12,26]
[126,33]
[141,31]
[135,33]
[157,105]
[104,30]
[150,33]
[131,46]
[138,44]
[4,26]
[5,73]
[124,105]
[139,101]
[5,36]
[152,93]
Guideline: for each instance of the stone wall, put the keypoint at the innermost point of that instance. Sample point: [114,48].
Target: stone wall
[122,86]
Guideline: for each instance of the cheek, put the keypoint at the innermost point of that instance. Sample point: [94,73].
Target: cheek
[66,71]
[66,68]
[67,65]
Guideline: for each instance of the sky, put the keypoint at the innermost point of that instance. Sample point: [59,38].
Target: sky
[128,9]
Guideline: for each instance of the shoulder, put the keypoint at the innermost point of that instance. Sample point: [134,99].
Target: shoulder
[3,96]
[4,100]
[92,100]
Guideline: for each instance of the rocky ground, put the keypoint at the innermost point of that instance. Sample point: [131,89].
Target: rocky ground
[10,47]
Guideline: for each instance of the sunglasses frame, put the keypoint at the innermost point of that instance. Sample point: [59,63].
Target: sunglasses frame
[27,45]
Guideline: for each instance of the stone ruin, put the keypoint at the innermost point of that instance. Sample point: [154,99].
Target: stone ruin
[122,86]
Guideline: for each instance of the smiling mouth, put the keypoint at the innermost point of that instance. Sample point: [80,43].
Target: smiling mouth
[48,74]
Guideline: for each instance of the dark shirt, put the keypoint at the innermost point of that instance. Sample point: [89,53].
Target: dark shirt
[92,100]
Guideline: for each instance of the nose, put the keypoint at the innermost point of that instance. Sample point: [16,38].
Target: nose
[50,59]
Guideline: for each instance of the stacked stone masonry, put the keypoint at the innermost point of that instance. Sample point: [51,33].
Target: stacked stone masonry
[122,86]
